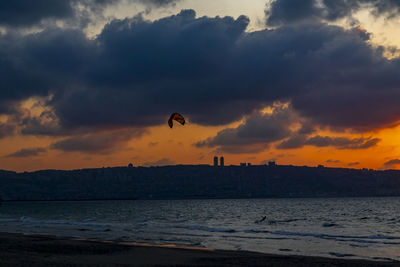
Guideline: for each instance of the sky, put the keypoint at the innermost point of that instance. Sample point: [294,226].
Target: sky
[92,83]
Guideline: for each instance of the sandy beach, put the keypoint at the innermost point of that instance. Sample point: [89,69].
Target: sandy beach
[35,250]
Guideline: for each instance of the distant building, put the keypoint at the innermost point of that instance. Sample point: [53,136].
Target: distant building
[221,161]
[271,163]
[248,164]
[321,166]
[215,161]
[243,164]
[130,165]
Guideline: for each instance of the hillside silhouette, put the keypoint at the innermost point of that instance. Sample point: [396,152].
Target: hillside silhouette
[197,181]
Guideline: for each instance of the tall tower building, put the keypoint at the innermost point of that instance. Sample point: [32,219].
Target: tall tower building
[215,161]
[221,161]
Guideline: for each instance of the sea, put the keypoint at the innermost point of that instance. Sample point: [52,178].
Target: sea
[354,228]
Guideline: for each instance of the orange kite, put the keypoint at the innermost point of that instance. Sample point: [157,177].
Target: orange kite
[176,116]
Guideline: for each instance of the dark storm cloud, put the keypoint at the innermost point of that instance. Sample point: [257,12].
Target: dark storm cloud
[6,129]
[27,152]
[294,141]
[176,63]
[97,143]
[136,72]
[342,142]
[298,141]
[34,66]
[280,12]
[288,11]
[38,64]
[254,135]
[391,163]
[159,3]
[25,13]
[47,124]
[28,12]
[260,130]
[42,126]
[214,72]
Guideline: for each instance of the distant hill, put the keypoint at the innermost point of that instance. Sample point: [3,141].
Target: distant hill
[192,181]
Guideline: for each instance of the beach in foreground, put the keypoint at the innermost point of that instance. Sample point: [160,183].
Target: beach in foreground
[35,250]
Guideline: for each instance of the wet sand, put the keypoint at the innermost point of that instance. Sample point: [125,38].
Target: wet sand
[33,250]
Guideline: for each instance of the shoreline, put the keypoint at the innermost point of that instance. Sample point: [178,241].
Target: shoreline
[43,250]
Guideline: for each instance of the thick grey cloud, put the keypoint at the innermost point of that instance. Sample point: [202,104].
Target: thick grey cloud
[27,152]
[136,72]
[39,64]
[260,130]
[391,163]
[27,12]
[214,72]
[254,135]
[288,11]
[342,142]
[159,3]
[42,126]
[6,130]
[280,12]
[149,69]
[298,141]
[105,142]
[294,141]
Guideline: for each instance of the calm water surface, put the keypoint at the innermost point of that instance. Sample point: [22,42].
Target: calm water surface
[343,227]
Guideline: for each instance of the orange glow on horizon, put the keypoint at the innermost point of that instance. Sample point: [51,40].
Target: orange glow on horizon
[175,146]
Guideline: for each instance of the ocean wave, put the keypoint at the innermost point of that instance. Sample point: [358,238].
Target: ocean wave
[383,239]
[179,234]
[341,255]
[210,229]
[94,230]
[33,222]
[256,231]
[284,221]
[262,237]
[9,220]
[278,235]
[372,239]
[329,224]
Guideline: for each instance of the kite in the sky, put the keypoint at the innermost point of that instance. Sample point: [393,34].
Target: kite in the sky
[178,117]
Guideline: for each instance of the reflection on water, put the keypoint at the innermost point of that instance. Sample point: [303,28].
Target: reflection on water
[341,227]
